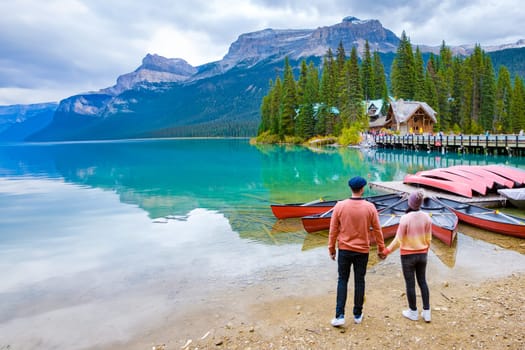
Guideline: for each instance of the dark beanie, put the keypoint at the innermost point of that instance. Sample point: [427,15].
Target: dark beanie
[356,183]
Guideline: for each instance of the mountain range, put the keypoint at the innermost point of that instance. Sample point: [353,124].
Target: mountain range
[167,97]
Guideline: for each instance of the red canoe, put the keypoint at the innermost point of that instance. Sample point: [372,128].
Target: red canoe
[514,174]
[479,170]
[488,219]
[479,187]
[297,210]
[458,188]
[444,221]
[488,182]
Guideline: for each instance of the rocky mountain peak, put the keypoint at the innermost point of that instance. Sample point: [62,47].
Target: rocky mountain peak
[251,48]
[154,69]
[170,65]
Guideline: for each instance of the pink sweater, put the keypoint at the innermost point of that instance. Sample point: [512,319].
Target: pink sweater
[413,234]
[352,223]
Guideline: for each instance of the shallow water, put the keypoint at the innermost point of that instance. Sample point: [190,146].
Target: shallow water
[110,238]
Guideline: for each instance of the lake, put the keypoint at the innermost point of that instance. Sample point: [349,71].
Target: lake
[100,241]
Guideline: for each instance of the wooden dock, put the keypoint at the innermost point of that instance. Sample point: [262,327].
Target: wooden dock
[480,144]
[490,201]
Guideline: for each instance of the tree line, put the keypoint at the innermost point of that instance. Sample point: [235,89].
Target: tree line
[328,101]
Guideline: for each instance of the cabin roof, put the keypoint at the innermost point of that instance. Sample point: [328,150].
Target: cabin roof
[403,110]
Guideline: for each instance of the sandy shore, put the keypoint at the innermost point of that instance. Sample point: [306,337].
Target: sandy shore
[485,315]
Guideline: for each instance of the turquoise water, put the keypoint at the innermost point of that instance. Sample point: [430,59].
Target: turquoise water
[92,231]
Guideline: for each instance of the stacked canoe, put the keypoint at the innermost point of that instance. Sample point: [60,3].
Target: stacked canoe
[466,181]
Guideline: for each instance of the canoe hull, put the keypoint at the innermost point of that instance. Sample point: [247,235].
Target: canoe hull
[296,210]
[488,219]
[321,221]
[444,221]
[314,223]
[458,188]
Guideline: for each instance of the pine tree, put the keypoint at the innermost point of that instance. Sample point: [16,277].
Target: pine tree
[265,124]
[403,77]
[517,106]
[340,61]
[420,93]
[471,106]
[444,85]
[288,103]
[301,84]
[367,74]
[380,88]
[275,107]
[502,103]
[457,92]
[311,98]
[309,83]
[328,96]
[488,91]
[352,109]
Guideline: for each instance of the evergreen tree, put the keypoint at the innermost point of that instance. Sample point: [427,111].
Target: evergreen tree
[367,74]
[328,96]
[517,106]
[502,103]
[488,91]
[301,84]
[340,59]
[305,126]
[444,84]
[339,73]
[275,107]
[289,102]
[403,77]
[457,92]
[380,88]
[432,96]
[265,124]
[471,106]
[420,93]
[352,109]
[312,85]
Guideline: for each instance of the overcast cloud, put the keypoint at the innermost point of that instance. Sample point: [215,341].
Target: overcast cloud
[53,49]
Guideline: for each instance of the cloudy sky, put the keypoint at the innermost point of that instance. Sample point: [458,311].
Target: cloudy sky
[52,49]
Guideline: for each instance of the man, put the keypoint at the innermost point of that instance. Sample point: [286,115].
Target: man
[350,226]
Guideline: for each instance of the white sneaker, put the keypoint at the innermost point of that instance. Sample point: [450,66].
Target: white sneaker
[338,321]
[359,319]
[425,314]
[411,314]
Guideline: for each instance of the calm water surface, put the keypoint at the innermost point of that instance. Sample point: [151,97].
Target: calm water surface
[106,238]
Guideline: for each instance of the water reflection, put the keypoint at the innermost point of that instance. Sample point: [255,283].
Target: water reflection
[446,254]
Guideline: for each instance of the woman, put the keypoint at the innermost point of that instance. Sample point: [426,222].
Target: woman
[413,237]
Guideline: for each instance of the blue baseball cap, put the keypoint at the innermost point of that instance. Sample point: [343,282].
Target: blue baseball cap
[356,183]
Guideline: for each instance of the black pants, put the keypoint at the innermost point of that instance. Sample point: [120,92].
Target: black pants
[345,260]
[415,265]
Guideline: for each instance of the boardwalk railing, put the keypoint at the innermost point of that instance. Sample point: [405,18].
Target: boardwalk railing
[470,143]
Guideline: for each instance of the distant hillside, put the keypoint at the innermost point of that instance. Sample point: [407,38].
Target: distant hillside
[17,122]
[513,59]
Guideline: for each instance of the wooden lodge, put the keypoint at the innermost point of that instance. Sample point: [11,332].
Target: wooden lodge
[405,117]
